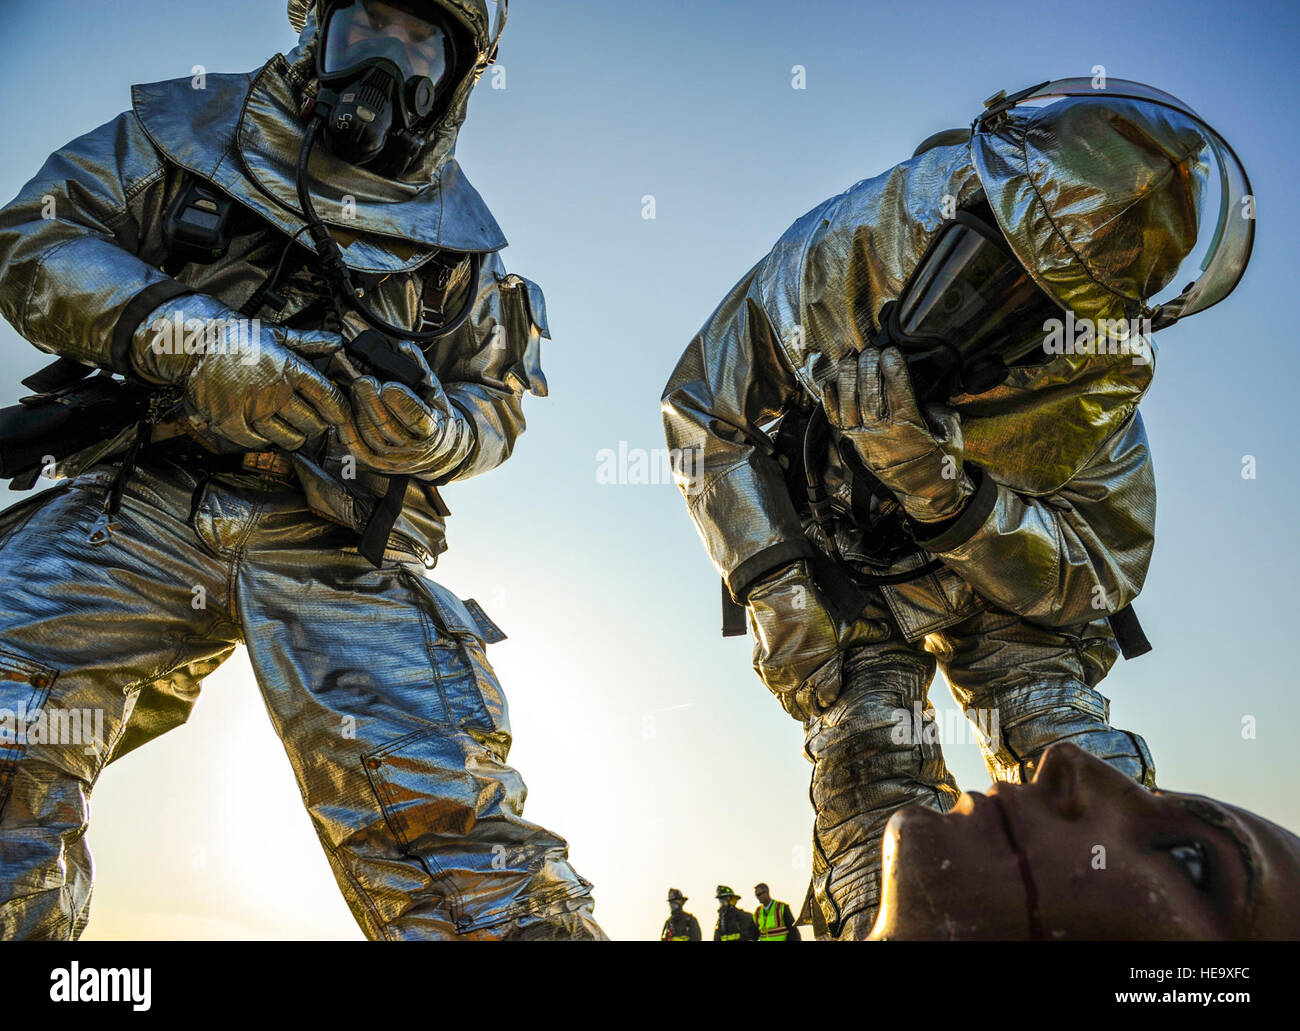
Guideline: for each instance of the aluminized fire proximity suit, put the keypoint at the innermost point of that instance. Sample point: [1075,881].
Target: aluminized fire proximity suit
[1058,534]
[376,678]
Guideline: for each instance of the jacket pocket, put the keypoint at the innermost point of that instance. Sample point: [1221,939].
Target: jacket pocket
[24,689]
[524,313]
[456,616]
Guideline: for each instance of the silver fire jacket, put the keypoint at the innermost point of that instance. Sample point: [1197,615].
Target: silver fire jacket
[1068,526]
[85,236]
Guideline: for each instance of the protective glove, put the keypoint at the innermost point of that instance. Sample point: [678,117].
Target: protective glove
[257,392]
[395,431]
[799,644]
[871,403]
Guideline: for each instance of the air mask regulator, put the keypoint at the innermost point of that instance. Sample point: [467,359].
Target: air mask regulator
[383,66]
[380,66]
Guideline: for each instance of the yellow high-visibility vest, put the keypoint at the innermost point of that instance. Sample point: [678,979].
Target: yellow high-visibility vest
[770,926]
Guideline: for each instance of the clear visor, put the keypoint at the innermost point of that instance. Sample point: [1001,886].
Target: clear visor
[972,295]
[1228,252]
[366,29]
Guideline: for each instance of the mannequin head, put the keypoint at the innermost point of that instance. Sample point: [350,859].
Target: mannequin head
[1084,852]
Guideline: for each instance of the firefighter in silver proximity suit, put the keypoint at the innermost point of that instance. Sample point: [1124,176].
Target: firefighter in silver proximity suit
[238,508]
[894,467]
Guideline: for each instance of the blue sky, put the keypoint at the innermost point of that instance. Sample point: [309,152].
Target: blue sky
[645,738]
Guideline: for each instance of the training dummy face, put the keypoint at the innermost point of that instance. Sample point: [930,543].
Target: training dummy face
[1084,852]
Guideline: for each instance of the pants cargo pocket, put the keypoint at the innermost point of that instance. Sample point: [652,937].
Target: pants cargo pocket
[17,515]
[471,692]
[24,689]
[448,796]
[451,804]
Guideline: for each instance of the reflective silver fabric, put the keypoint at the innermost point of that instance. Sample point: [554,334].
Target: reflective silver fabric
[376,679]
[877,748]
[1016,610]
[65,281]
[377,682]
[1076,501]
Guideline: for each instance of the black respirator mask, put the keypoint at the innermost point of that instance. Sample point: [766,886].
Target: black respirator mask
[968,312]
[384,73]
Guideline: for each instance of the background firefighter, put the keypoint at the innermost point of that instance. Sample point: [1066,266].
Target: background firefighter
[680,926]
[734,924]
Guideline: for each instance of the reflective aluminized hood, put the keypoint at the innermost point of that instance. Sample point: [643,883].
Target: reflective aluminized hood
[1099,197]
[243,133]
[826,281]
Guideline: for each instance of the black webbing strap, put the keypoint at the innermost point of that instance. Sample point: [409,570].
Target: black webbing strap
[735,622]
[133,314]
[374,538]
[1128,633]
[27,480]
[62,372]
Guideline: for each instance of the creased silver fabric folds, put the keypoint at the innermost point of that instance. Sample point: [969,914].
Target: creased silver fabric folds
[376,681]
[1015,613]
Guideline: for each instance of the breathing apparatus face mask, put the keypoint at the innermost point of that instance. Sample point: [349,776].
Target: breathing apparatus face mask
[967,313]
[383,69]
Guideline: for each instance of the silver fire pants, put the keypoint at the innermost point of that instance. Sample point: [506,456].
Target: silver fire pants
[878,748]
[376,681]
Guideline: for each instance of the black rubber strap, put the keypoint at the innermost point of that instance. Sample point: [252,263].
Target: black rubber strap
[62,372]
[1128,632]
[957,531]
[374,538]
[757,566]
[735,623]
[27,480]
[135,312]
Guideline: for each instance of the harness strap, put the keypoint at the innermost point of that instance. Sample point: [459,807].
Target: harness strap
[62,372]
[1128,632]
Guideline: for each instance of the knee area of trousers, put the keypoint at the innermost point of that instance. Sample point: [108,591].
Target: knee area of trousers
[869,705]
[1127,752]
[881,781]
[571,920]
[848,901]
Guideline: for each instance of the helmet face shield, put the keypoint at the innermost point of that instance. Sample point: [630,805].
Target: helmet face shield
[968,311]
[366,31]
[1136,133]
